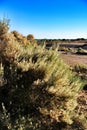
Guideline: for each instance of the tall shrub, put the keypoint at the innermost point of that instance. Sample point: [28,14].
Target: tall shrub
[38,84]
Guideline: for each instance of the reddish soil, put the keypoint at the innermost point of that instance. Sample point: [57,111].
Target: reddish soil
[73,59]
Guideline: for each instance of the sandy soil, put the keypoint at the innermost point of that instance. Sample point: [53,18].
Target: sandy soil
[73,59]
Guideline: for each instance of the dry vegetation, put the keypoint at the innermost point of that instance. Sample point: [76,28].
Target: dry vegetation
[78,64]
[38,90]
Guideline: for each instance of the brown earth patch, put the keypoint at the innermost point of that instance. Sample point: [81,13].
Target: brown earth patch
[74,59]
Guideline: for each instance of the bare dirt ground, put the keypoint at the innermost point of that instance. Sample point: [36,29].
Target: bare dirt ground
[74,59]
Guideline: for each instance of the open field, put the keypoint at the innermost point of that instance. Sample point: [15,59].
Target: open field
[74,59]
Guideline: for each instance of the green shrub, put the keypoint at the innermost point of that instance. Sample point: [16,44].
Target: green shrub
[81,51]
[38,84]
[81,71]
[80,68]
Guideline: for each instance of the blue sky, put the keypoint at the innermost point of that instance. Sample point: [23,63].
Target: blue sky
[47,18]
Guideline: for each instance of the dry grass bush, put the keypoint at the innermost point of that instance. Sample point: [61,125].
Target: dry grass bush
[4,26]
[40,88]
[81,71]
[20,38]
[30,37]
[81,51]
